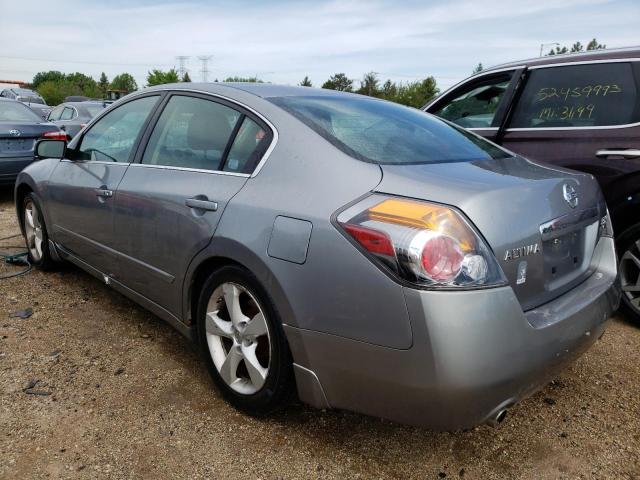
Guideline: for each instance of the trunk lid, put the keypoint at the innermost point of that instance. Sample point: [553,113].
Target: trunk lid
[22,143]
[543,244]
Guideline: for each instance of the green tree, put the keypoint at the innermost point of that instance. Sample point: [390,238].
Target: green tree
[416,94]
[577,47]
[41,77]
[237,79]
[124,81]
[103,84]
[389,91]
[53,92]
[370,85]
[339,82]
[594,45]
[158,77]
[306,82]
[186,77]
[478,68]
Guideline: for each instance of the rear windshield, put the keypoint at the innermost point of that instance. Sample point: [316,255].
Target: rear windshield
[387,133]
[94,110]
[17,112]
[37,100]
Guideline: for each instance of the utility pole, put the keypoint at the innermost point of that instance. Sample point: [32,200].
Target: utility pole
[205,66]
[182,60]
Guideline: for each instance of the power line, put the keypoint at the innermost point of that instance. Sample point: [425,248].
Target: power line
[205,66]
[182,59]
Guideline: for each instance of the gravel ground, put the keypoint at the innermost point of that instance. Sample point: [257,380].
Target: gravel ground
[116,393]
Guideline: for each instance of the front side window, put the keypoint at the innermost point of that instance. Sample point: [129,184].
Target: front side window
[387,133]
[17,112]
[475,106]
[111,139]
[590,95]
[191,133]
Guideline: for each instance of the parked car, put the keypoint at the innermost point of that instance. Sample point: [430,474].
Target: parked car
[579,111]
[374,257]
[30,98]
[20,127]
[74,116]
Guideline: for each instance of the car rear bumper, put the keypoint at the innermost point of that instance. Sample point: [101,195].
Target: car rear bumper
[10,167]
[474,353]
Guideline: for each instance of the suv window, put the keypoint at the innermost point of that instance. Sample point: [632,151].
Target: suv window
[589,95]
[476,104]
[191,133]
[111,139]
[67,114]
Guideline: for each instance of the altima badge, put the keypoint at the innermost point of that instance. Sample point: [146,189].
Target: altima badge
[524,251]
[570,195]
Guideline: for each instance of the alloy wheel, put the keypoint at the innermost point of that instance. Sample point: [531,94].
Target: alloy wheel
[238,338]
[33,230]
[630,276]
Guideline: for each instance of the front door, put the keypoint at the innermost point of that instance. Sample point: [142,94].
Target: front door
[480,103]
[199,154]
[82,187]
[582,116]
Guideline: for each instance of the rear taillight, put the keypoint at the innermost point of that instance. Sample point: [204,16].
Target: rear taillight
[57,135]
[425,243]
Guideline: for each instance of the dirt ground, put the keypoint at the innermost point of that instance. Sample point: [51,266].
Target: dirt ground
[116,393]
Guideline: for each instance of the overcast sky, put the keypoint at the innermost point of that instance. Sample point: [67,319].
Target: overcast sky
[282,41]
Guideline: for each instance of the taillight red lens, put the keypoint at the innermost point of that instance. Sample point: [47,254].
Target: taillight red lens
[57,135]
[374,241]
[442,258]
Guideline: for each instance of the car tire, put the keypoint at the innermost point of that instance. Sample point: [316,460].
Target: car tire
[244,346]
[35,233]
[628,246]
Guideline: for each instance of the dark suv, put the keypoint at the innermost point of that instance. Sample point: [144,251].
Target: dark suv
[580,111]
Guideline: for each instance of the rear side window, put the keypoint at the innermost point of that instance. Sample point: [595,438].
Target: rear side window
[248,147]
[67,113]
[191,133]
[111,139]
[387,133]
[589,95]
[55,114]
[475,105]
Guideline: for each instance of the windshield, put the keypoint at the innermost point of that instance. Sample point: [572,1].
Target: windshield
[387,133]
[17,112]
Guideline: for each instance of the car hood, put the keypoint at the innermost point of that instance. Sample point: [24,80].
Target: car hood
[509,200]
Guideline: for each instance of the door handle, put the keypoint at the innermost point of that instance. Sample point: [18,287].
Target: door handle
[619,152]
[200,204]
[103,192]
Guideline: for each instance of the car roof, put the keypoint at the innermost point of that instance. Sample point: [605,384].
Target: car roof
[263,90]
[602,54]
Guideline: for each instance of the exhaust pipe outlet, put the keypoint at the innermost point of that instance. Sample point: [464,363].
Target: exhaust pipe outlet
[498,418]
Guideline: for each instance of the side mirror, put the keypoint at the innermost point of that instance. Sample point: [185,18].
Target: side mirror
[50,149]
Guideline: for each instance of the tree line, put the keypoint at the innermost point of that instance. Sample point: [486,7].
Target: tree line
[55,86]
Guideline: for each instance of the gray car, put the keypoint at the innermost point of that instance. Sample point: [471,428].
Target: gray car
[74,116]
[365,255]
[30,98]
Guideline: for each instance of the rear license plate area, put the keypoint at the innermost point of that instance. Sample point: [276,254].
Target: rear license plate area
[9,145]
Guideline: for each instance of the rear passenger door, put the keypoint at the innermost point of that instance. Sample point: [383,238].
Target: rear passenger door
[199,154]
[480,103]
[583,116]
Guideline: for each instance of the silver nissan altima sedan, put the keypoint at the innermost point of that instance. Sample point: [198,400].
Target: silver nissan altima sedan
[364,255]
